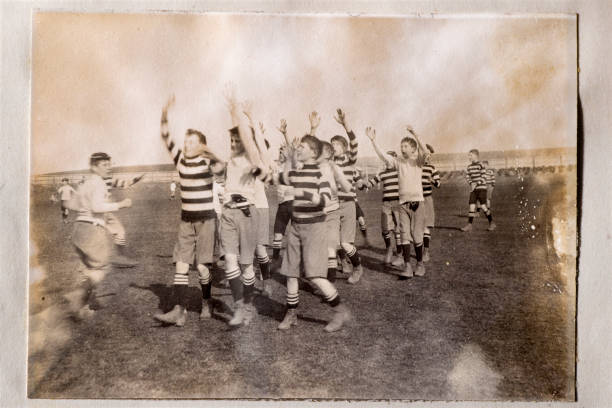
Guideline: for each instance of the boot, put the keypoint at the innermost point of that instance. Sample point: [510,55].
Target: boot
[356,275]
[207,309]
[467,228]
[420,269]
[341,316]
[177,316]
[239,314]
[122,260]
[289,320]
[406,273]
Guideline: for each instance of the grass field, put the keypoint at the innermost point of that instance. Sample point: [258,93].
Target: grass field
[493,318]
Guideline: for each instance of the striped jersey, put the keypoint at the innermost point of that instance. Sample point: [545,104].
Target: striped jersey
[328,175]
[308,179]
[196,182]
[490,177]
[430,179]
[390,183]
[476,176]
[346,163]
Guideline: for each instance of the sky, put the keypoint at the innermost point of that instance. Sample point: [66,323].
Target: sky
[99,81]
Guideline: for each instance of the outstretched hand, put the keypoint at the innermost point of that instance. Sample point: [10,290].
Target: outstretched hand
[370,133]
[340,117]
[314,119]
[283,127]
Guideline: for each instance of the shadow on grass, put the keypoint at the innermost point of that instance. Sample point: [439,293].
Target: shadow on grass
[441,227]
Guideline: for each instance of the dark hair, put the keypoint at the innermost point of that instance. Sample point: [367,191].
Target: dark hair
[485,162]
[326,145]
[410,141]
[199,134]
[64,179]
[392,153]
[340,139]
[475,151]
[98,157]
[430,148]
[313,143]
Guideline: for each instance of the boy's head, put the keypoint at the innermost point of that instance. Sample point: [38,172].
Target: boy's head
[473,155]
[340,145]
[282,153]
[64,181]
[409,148]
[194,142]
[236,147]
[309,149]
[100,164]
[485,163]
[327,151]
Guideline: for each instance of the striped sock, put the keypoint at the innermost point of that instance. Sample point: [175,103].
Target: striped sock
[264,266]
[248,285]
[293,300]
[333,300]
[180,289]
[387,238]
[276,248]
[354,257]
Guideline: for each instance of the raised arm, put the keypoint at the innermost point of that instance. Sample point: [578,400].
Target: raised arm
[244,132]
[371,134]
[173,148]
[314,120]
[422,151]
[353,145]
[341,181]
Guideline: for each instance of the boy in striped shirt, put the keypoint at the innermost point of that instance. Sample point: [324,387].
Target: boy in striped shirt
[478,190]
[304,244]
[430,179]
[389,215]
[90,237]
[195,245]
[412,212]
[345,156]
[490,179]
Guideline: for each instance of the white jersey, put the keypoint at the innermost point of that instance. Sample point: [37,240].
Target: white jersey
[66,191]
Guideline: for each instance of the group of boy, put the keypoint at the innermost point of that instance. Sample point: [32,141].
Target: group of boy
[316,183]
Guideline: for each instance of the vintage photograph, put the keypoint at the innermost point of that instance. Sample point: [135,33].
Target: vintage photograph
[303,206]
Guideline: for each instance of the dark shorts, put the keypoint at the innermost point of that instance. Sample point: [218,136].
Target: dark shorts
[283,216]
[478,195]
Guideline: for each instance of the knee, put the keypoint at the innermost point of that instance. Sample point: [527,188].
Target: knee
[248,273]
[260,251]
[203,271]
[231,262]
[346,246]
[182,268]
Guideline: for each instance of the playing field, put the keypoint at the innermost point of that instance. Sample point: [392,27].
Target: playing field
[493,318]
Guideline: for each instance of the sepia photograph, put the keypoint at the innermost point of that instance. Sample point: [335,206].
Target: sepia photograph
[303,206]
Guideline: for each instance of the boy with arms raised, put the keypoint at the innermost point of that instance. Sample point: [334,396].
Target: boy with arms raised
[409,165]
[345,156]
[195,245]
[305,248]
[431,179]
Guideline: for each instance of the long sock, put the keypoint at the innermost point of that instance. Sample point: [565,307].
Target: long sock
[330,293]
[471,219]
[264,266]
[406,252]
[276,248]
[419,252]
[248,285]
[426,241]
[235,284]
[293,296]
[354,257]
[489,216]
[180,289]
[332,266]
[387,239]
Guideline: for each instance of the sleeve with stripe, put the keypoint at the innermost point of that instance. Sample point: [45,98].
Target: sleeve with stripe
[353,147]
[435,177]
[174,150]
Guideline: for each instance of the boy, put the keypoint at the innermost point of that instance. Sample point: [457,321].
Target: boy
[114,225]
[283,212]
[90,237]
[345,156]
[412,212]
[195,244]
[332,174]
[478,190]
[490,179]
[304,244]
[389,216]
[65,193]
[431,178]
[237,229]
[172,189]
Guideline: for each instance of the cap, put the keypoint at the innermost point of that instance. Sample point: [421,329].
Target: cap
[99,156]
